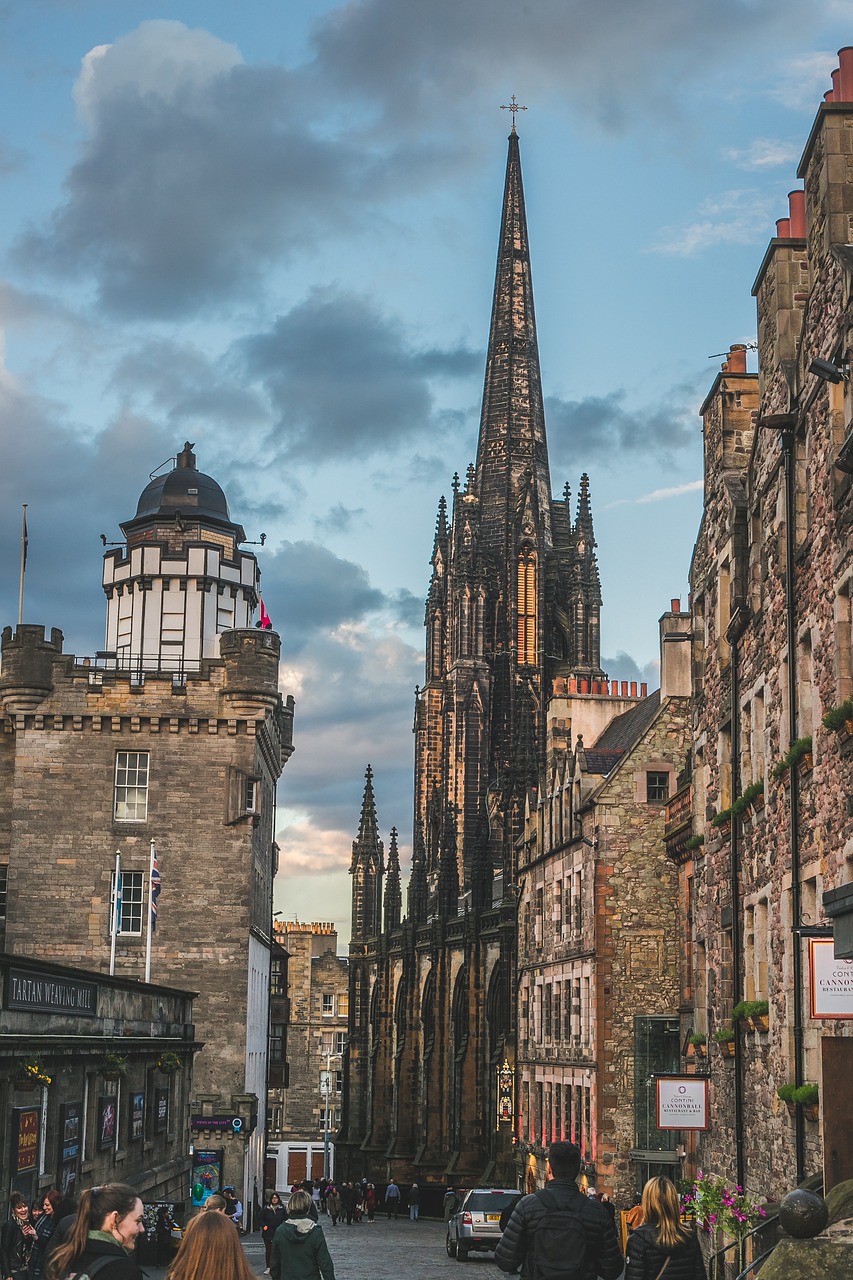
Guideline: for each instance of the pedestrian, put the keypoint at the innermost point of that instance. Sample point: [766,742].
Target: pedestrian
[449,1203]
[559,1231]
[392,1199]
[370,1202]
[271,1219]
[163,1236]
[299,1249]
[348,1199]
[215,1204]
[211,1248]
[414,1203]
[45,1225]
[663,1243]
[103,1240]
[17,1237]
[334,1204]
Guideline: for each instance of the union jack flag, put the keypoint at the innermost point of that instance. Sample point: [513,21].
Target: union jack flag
[156,885]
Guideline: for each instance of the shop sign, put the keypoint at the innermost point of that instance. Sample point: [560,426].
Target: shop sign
[682,1102]
[45,993]
[70,1127]
[830,981]
[161,1110]
[223,1124]
[506,1079]
[206,1175]
[27,1140]
[136,1128]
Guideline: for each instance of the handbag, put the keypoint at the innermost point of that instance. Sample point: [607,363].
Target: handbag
[664,1267]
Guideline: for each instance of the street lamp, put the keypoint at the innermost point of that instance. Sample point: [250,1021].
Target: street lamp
[326,1088]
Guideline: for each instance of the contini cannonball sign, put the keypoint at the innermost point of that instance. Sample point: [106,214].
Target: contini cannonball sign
[682,1102]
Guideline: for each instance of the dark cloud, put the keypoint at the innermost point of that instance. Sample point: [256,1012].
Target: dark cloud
[624,667]
[187,385]
[601,427]
[340,519]
[345,381]
[307,587]
[410,58]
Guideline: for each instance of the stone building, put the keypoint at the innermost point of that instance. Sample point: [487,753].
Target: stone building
[115,1059]
[598,960]
[762,830]
[300,1130]
[513,683]
[172,740]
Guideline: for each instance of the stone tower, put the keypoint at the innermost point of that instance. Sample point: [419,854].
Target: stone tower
[513,603]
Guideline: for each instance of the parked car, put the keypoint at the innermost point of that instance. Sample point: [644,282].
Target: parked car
[476,1224]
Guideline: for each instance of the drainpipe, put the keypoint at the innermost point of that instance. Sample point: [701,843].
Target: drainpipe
[735,631]
[786,442]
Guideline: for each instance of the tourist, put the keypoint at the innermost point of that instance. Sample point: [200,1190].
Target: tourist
[299,1249]
[663,1241]
[271,1219]
[17,1237]
[211,1250]
[45,1224]
[103,1240]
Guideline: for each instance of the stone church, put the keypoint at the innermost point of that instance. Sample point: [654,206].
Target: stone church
[512,620]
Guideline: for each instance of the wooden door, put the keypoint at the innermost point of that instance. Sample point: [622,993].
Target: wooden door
[836,1109]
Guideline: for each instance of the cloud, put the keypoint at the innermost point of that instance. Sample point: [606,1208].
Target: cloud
[624,667]
[340,519]
[600,427]
[733,217]
[307,587]
[765,153]
[345,381]
[800,83]
[658,495]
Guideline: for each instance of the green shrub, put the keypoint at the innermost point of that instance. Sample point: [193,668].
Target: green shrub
[719,819]
[786,1092]
[694,842]
[836,717]
[802,747]
[807,1095]
[698,1037]
[724,1035]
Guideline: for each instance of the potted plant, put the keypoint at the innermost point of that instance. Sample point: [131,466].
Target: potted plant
[753,796]
[840,719]
[694,842]
[786,1093]
[798,755]
[698,1043]
[754,1012]
[32,1075]
[723,821]
[725,1038]
[169,1063]
[113,1066]
[807,1097]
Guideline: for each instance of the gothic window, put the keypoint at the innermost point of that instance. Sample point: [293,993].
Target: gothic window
[436,654]
[527,610]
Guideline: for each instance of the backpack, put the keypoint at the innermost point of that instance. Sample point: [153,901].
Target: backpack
[558,1243]
[92,1271]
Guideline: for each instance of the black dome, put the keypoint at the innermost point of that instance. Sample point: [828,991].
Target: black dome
[184,489]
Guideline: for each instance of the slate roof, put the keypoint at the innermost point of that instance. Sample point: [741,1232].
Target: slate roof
[621,734]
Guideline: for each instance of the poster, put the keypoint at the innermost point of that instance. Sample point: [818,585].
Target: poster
[70,1135]
[27,1139]
[830,981]
[682,1102]
[136,1127]
[206,1175]
[161,1110]
[107,1121]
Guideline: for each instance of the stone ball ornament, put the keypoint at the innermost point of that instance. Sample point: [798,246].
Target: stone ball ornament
[803,1214]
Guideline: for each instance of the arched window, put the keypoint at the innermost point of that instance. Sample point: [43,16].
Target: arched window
[527,610]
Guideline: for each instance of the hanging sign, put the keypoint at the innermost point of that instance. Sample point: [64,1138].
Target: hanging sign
[830,981]
[27,1140]
[682,1102]
[506,1079]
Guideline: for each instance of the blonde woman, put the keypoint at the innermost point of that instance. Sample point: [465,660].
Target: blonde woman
[663,1248]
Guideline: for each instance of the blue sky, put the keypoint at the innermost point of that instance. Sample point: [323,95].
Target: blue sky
[272,230]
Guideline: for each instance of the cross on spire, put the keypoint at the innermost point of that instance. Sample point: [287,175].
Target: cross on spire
[513,106]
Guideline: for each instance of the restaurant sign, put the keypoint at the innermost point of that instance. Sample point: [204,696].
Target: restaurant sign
[682,1102]
[830,981]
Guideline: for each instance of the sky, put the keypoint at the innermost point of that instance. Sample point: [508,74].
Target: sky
[271,230]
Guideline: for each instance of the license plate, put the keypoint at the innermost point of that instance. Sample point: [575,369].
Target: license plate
[493,1217]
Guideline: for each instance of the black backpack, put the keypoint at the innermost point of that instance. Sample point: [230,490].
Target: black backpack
[558,1243]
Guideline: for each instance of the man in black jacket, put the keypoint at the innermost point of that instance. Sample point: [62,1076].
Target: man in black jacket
[589,1233]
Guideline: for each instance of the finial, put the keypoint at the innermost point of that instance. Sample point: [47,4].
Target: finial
[455,482]
[567,493]
[513,107]
[469,478]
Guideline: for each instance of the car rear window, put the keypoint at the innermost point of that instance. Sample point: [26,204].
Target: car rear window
[489,1201]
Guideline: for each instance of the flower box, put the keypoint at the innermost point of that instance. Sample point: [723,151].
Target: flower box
[812,1111]
[727,1048]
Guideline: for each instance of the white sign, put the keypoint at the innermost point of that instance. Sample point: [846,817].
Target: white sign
[682,1102]
[830,981]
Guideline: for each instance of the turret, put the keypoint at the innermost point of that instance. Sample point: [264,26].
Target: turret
[393,891]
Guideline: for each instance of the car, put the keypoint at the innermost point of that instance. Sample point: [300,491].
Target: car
[476,1224]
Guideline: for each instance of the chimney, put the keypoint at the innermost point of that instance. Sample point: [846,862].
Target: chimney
[845,79]
[737,358]
[783,228]
[675,637]
[797,209]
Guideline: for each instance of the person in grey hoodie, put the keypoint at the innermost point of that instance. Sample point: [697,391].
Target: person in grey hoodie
[299,1249]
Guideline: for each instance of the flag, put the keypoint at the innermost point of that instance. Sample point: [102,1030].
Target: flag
[117,915]
[156,885]
[25,541]
[266,623]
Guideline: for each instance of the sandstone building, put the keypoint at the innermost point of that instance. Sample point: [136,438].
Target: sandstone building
[318,1006]
[175,734]
[513,683]
[761,828]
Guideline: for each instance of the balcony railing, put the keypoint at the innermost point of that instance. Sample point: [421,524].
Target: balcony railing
[678,824]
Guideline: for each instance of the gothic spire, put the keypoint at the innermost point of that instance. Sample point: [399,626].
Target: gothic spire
[482,874]
[367,868]
[418,889]
[393,892]
[368,828]
[512,425]
[448,867]
[583,523]
[585,543]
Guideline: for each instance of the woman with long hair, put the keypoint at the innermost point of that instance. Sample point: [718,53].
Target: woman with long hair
[211,1250]
[299,1249]
[663,1248]
[103,1239]
[45,1226]
[271,1219]
[17,1237]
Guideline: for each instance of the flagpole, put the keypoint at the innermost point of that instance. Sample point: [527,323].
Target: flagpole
[150,915]
[23,565]
[115,907]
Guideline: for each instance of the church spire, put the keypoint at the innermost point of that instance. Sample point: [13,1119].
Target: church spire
[448,868]
[512,425]
[418,888]
[367,868]
[393,892]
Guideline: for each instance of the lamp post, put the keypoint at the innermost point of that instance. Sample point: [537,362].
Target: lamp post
[327,1091]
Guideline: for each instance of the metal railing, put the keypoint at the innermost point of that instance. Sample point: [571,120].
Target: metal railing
[723,1269]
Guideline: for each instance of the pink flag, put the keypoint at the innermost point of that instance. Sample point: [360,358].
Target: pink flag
[266,624]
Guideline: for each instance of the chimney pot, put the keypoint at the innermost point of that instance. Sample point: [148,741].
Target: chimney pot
[644,690]
[836,85]
[624,688]
[783,228]
[633,688]
[675,606]
[845,66]
[737,358]
[829,96]
[797,208]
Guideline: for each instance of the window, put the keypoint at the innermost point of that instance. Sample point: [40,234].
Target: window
[526,612]
[130,907]
[327,1042]
[252,794]
[328,1005]
[278,987]
[322,1123]
[343,1004]
[131,788]
[277,1042]
[4,872]
[340,1041]
[657,788]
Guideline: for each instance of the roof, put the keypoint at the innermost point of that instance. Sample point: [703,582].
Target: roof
[625,730]
[184,489]
[602,761]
